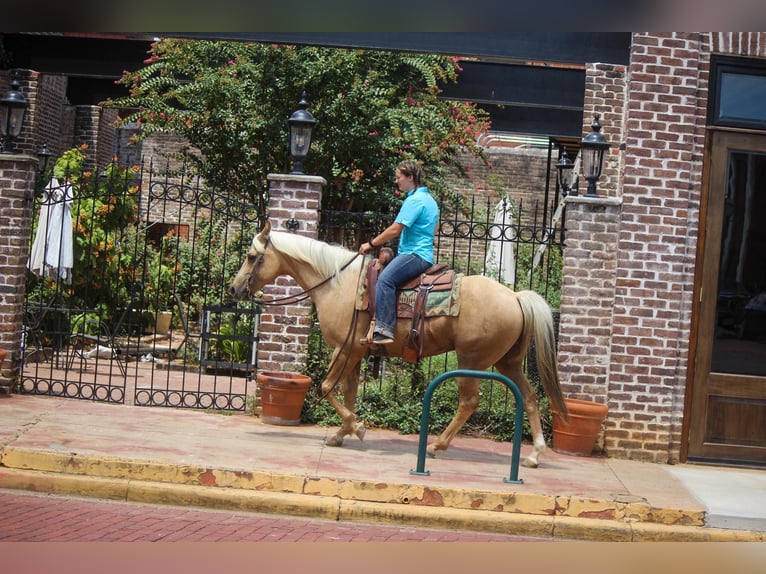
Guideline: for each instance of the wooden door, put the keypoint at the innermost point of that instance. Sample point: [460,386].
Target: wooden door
[727,422]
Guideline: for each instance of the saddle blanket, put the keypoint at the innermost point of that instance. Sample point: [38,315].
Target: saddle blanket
[438,303]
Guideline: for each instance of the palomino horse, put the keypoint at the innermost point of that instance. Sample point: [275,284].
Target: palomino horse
[495,327]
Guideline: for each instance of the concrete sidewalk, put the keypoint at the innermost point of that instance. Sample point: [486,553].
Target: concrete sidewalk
[198,458]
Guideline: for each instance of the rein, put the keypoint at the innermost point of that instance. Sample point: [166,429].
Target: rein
[303,295]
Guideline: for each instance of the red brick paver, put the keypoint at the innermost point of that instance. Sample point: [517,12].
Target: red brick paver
[32,517]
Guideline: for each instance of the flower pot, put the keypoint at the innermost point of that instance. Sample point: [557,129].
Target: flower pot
[578,437]
[162,322]
[282,396]
[3,354]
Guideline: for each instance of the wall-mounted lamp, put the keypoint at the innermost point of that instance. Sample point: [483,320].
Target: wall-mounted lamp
[13,106]
[593,146]
[301,123]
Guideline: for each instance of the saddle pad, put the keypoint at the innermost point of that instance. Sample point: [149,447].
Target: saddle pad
[438,303]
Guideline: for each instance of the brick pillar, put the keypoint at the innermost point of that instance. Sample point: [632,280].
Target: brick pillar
[284,329]
[17,183]
[587,296]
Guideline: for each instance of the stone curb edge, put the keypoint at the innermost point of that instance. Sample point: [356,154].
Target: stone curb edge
[507,502]
[333,508]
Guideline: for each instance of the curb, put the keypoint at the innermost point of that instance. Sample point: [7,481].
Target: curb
[526,514]
[333,508]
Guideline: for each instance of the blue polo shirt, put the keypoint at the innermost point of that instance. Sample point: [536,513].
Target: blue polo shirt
[419,215]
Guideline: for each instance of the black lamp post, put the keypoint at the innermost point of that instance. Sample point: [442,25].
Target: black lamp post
[12,109]
[44,158]
[565,168]
[593,146]
[301,123]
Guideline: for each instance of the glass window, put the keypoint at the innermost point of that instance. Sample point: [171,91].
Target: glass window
[738,93]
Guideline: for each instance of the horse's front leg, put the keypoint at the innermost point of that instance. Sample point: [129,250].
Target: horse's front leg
[346,378]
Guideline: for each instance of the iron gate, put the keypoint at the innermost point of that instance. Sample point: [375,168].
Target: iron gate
[153,255]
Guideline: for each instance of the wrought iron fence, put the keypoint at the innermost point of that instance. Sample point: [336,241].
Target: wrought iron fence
[147,244]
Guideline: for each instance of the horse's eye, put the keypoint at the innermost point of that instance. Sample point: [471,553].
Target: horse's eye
[251,257]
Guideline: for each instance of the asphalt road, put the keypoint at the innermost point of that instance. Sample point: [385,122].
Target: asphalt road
[32,517]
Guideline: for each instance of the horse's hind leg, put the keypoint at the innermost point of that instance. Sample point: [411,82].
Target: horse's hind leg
[510,366]
[468,400]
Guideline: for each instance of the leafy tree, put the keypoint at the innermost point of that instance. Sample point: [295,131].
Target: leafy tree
[231,101]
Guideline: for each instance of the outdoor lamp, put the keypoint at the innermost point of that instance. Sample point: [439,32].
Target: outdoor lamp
[592,148]
[565,168]
[12,109]
[301,123]
[43,159]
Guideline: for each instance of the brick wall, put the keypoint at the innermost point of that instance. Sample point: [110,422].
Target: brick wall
[635,356]
[284,329]
[661,189]
[17,175]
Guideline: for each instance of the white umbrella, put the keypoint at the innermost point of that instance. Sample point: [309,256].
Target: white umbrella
[52,253]
[499,258]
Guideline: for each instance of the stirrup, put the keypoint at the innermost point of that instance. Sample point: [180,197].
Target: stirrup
[367,340]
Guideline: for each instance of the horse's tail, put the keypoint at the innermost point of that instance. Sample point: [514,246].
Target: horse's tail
[538,324]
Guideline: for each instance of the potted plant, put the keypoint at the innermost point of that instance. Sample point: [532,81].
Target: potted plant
[159,292]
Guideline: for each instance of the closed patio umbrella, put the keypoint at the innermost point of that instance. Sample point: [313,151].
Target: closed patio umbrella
[499,258]
[52,253]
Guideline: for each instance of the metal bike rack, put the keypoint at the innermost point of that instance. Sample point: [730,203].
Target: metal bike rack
[518,421]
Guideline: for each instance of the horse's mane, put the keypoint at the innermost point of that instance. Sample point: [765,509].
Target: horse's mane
[326,258]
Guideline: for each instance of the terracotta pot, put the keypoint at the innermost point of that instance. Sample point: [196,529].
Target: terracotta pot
[578,437]
[282,396]
[3,354]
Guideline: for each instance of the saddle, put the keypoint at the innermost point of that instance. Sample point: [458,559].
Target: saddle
[411,299]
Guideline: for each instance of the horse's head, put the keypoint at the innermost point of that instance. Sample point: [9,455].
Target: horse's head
[260,266]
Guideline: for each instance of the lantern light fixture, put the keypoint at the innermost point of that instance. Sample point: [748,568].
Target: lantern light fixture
[301,123]
[13,107]
[566,174]
[593,147]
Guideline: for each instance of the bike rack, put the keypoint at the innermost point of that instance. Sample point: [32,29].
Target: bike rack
[517,427]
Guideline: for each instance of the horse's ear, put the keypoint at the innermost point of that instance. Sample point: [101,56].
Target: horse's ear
[264,234]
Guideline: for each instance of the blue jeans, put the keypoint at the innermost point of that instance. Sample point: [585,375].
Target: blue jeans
[401,268]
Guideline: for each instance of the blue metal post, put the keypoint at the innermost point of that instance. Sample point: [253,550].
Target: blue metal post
[518,421]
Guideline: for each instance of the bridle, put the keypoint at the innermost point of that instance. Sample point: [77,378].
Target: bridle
[303,295]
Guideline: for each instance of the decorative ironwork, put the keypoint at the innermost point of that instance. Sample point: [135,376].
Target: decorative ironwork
[147,240]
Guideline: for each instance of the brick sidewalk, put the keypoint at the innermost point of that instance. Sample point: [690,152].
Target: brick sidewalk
[31,517]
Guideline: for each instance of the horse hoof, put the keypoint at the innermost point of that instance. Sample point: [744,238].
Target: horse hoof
[431,452]
[530,463]
[334,441]
[360,430]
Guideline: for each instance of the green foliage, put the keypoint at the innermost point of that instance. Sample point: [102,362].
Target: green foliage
[546,277]
[205,267]
[230,100]
[229,349]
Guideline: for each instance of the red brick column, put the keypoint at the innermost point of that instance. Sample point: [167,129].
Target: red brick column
[17,182]
[587,296]
[284,329]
